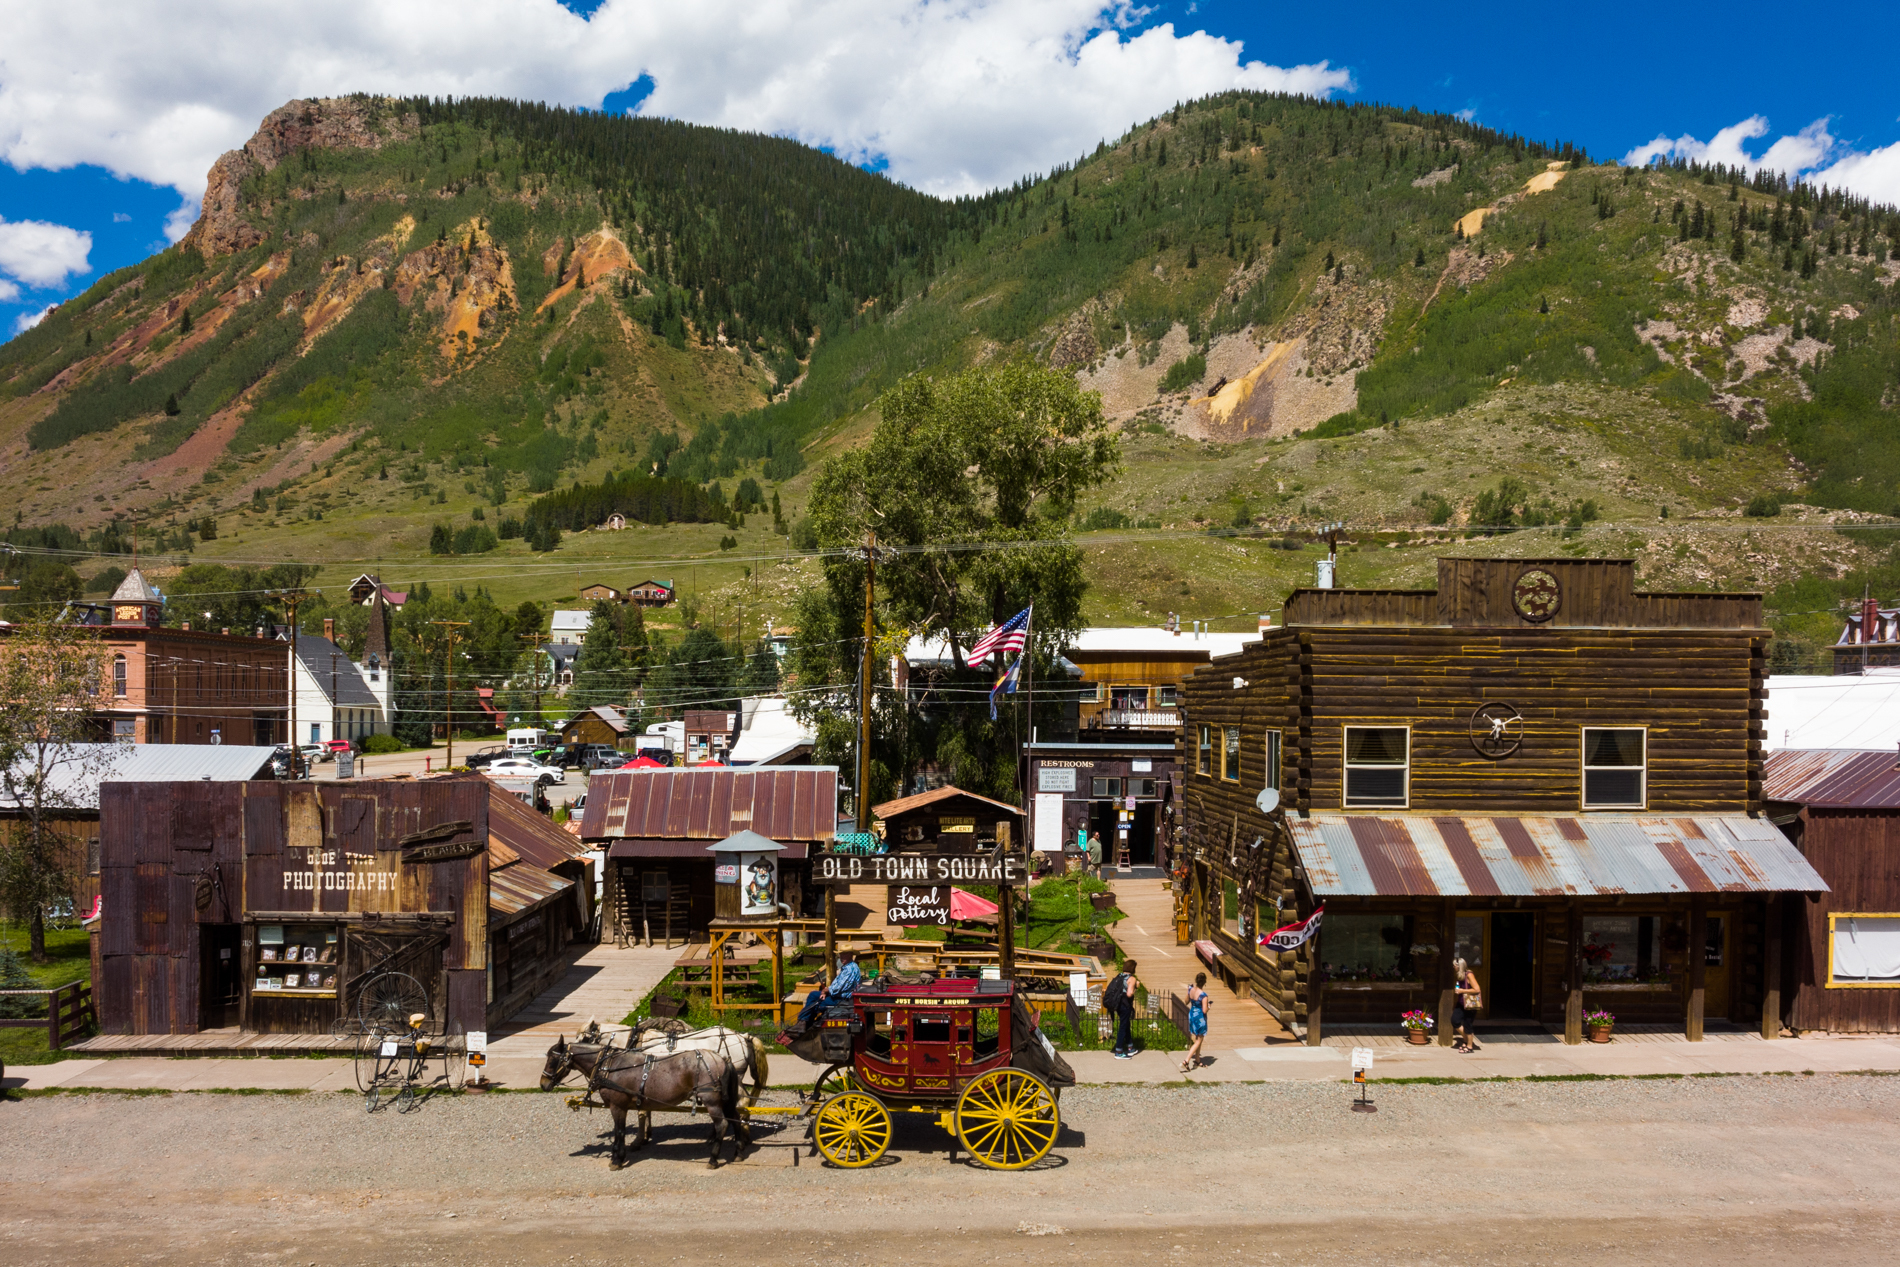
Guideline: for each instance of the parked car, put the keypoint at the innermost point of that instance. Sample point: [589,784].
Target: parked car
[527,767]
[486,757]
[601,756]
[332,748]
[313,753]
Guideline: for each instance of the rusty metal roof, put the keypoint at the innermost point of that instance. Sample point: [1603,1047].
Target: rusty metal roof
[518,888]
[1824,777]
[949,792]
[1420,856]
[786,803]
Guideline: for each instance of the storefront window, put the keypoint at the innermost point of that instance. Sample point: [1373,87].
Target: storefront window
[1271,775]
[299,959]
[1471,940]
[1863,950]
[1105,789]
[1621,949]
[1367,947]
[1230,754]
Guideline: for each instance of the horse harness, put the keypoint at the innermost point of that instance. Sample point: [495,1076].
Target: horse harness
[604,1065]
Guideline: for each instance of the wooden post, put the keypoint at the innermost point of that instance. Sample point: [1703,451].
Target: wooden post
[1771,967]
[831,932]
[718,943]
[1006,940]
[778,972]
[1315,1002]
[1573,974]
[1698,966]
[1447,984]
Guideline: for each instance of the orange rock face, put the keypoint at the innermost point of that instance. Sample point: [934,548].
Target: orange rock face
[595,256]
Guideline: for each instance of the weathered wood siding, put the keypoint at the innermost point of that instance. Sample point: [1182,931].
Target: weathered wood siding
[1857,851]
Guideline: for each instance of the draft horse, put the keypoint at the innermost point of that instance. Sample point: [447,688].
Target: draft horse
[644,1081]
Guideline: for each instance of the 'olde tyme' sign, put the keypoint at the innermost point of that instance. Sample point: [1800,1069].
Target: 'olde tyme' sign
[910,905]
[915,869]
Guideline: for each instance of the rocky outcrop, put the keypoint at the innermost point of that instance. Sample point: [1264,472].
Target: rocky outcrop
[358,122]
[599,254]
[467,279]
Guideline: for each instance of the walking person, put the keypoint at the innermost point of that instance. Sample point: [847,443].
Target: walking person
[1464,1013]
[1198,1002]
[1118,999]
[1095,855]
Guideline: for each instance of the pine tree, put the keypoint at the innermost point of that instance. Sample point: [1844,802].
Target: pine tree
[171,405]
[1543,236]
[1194,261]
[1543,305]
[1329,261]
[184,322]
[1418,260]
[1787,259]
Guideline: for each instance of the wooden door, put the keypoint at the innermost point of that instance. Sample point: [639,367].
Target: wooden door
[1715,969]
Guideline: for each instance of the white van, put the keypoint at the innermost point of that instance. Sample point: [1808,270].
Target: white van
[522,743]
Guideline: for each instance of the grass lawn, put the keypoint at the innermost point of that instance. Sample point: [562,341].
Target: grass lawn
[71,961]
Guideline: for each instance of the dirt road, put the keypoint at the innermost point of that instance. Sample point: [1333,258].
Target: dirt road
[1664,1172]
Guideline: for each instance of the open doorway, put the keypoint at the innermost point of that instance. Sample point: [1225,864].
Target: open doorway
[1141,835]
[1513,938]
[220,975]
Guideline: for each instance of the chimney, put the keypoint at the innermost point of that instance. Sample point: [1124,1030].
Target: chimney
[226,631]
[1266,622]
[185,625]
[329,628]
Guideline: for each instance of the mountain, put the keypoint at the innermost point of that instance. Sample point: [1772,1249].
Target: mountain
[396,315]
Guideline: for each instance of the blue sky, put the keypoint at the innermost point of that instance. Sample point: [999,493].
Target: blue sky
[106,130]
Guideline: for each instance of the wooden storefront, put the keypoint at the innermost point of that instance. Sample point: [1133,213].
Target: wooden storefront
[1123,792]
[1534,766]
[1842,810]
[267,906]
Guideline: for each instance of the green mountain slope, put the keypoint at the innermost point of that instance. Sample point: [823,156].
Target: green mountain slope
[406,313]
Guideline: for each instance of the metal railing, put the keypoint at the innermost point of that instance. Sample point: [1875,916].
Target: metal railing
[1142,718]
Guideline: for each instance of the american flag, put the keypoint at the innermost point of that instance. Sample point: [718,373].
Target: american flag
[1011,635]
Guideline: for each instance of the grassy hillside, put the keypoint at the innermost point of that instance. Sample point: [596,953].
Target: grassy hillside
[1300,312]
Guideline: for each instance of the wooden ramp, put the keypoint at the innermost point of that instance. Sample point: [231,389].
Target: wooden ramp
[602,982]
[1147,937]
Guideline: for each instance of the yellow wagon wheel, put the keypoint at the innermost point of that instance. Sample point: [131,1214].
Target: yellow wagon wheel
[1008,1119]
[852,1129]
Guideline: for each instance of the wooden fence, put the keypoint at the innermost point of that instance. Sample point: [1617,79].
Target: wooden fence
[69,1013]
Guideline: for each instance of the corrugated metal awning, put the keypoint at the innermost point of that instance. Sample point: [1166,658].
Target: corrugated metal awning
[786,803]
[684,849]
[1835,779]
[515,890]
[1421,856]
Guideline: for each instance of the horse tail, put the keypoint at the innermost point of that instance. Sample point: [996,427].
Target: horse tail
[761,1067]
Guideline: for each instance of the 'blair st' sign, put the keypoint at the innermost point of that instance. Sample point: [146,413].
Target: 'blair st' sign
[910,868]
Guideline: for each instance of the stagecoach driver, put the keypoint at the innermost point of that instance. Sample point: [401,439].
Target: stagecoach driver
[840,989]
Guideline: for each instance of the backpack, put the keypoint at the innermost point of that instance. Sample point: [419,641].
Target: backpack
[1115,995]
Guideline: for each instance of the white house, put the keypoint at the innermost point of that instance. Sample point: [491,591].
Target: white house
[571,626]
[338,698]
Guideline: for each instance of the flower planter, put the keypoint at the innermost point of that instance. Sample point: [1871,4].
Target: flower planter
[1417,1037]
[1600,1033]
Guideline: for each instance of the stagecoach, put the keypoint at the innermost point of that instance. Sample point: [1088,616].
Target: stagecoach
[968,1050]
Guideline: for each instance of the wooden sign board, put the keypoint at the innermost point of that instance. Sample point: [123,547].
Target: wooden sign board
[839,869]
[912,905]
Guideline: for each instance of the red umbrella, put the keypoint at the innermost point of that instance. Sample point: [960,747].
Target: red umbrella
[643,763]
[969,906]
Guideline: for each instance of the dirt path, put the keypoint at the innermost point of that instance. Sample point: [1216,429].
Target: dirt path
[1660,1172]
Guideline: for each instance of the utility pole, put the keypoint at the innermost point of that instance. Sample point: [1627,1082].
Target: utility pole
[333,714]
[865,680]
[537,637]
[291,599]
[448,697]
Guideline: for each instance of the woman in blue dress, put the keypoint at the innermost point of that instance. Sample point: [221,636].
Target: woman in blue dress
[1198,1003]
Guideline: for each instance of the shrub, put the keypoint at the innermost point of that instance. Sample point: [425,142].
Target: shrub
[1763,506]
[1184,372]
[382,743]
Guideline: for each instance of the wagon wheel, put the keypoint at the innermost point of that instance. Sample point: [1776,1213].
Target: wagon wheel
[1007,1119]
[369,1060]
[389,999]
[833,1082]
[455,1060]
[852,1130]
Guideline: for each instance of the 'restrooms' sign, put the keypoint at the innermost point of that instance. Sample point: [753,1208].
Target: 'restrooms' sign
[915,869]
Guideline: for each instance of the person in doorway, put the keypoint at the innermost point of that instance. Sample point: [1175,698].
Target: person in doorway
[1198,1002]
[1119,1000]
[838,990]
[1464,1013]
[1095,855]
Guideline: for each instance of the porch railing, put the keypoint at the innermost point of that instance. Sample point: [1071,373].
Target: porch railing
[1139,718]
[69,1012]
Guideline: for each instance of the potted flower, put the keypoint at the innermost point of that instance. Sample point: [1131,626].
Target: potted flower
[1599,1023]
[1418,1026]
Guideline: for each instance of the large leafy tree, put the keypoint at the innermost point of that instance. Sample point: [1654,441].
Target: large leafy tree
[968,484]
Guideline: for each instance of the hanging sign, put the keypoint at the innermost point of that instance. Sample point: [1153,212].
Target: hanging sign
[914,869]
[910,905]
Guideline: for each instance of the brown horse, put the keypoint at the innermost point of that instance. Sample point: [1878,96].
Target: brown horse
[644,1081]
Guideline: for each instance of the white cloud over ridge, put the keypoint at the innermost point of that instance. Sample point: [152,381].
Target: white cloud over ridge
[42,254]
[956,95]
[1812,154]
[27,320]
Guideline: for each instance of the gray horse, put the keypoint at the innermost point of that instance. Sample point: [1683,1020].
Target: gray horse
[644,1081]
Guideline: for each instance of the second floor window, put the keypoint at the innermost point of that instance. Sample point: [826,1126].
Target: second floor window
[1167,696]
[1614,770]
[1377,766]
[1205,761]
[1107,789]
[118,676]
[1230,754]
[1129,699]
[1271,776]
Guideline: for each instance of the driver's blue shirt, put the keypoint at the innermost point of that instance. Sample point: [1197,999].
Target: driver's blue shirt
[844,985]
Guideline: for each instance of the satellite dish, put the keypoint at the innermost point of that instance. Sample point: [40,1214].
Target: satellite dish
[1268,800]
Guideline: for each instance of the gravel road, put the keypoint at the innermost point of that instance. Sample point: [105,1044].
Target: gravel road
[1608,1172]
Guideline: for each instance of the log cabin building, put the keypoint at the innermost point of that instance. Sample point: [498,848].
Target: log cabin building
[1534,767]
[264,907]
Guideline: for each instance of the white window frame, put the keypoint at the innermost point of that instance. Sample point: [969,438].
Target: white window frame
[1204,759]
[1583,770]
[1833,922]
[1230,746]
[1271,751]
[1346,767]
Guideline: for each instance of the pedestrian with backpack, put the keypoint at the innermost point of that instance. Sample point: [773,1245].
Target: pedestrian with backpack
[1118,1000]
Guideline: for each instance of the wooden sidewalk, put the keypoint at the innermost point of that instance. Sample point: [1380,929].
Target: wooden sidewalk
[1147,937]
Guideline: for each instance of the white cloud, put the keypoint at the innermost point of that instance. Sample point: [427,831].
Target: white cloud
[957,95]
[9,293]
[42,254]
[27,320]
[119,217]
[1812,154]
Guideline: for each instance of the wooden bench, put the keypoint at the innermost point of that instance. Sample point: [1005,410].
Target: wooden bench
[1235,977]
